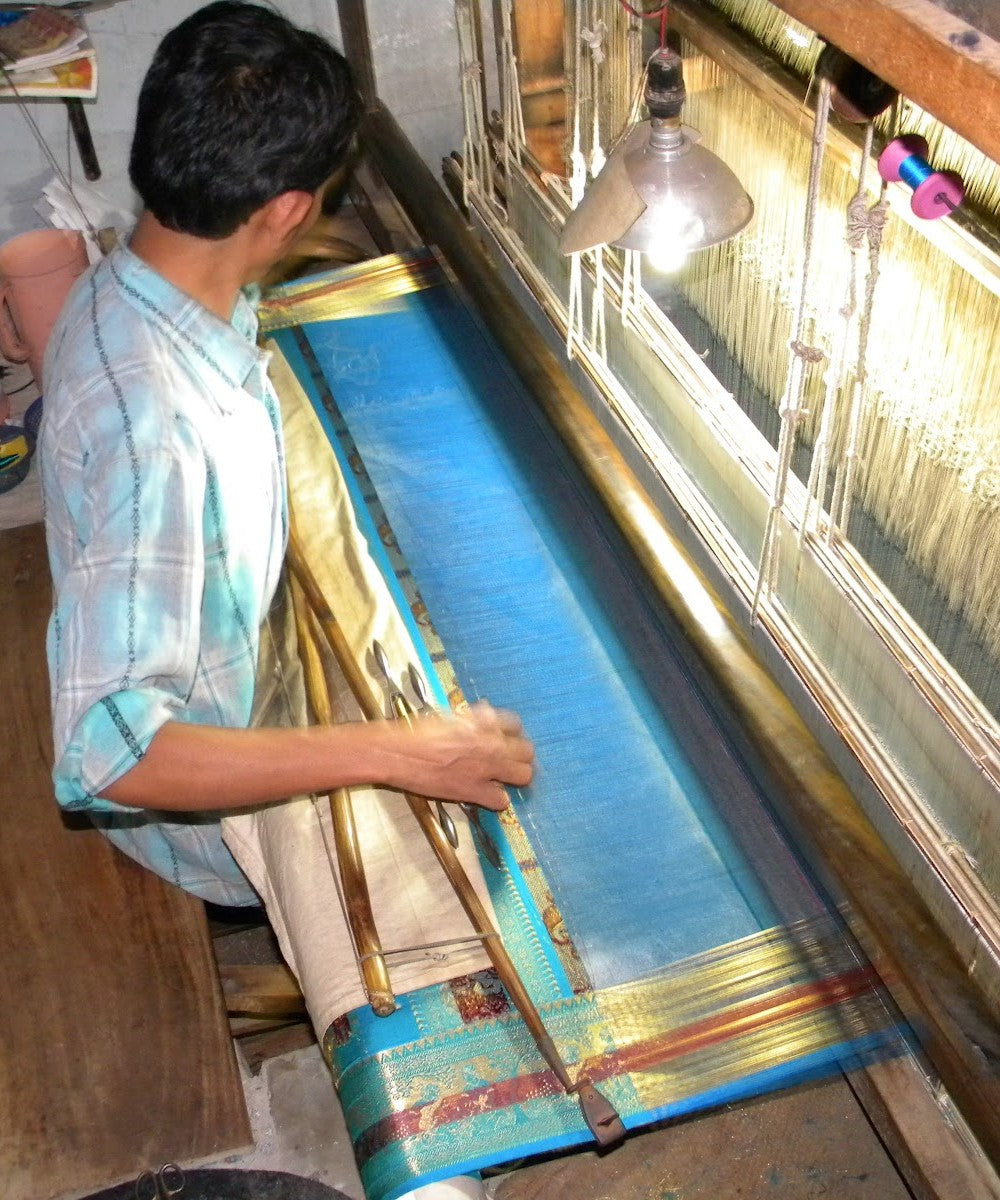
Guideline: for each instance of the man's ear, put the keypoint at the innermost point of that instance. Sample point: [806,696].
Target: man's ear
[287,212]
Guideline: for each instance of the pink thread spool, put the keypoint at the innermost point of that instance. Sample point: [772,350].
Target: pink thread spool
[935,193]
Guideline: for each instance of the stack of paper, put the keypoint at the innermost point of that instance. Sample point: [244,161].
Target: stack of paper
[85,209]
[46,52]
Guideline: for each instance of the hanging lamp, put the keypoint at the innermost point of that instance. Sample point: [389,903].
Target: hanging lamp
[659,191]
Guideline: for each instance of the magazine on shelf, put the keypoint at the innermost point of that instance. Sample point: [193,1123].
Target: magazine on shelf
[38,37]
[72,79]
[46,52]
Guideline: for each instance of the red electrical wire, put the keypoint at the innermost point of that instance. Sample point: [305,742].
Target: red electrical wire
[660,12]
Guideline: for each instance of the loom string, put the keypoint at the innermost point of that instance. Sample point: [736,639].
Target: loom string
[631,300]
[593,37]
[577,184]
[801,353]
[598,324]
[475,156]
[587,79]
[834,376]
[743,306]
[574,323]
[864,225]
[912,398]
[510,91]
[796,46]
[929,436]
[468,119]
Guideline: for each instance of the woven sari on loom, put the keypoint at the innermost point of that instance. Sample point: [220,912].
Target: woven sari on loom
[667,933]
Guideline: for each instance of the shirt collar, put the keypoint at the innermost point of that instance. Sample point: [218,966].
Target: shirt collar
[226,349]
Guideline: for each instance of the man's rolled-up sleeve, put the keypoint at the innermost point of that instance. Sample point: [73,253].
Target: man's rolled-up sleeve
[124,636]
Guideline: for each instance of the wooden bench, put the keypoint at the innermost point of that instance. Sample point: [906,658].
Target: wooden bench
[116,1052]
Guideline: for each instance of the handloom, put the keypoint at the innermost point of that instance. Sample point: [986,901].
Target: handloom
[655,954]
[879,586]
[884,664]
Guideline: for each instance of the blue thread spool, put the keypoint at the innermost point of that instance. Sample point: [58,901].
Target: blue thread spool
[935,193]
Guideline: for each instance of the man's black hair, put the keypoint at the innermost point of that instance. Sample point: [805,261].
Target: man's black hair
[238,106]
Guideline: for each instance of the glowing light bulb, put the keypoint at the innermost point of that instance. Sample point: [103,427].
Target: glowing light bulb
[668,255]
[679,230]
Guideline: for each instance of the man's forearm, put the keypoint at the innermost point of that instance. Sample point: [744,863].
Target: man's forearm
[195,768]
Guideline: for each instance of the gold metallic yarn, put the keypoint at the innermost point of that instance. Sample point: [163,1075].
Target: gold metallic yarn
[358,291]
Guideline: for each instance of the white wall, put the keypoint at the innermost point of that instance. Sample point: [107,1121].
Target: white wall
[416,62]
[415,48]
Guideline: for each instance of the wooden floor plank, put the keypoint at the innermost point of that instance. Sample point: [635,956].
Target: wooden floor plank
[115,1047]
[811,1142]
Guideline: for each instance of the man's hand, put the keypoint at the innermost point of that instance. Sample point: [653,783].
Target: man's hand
[466,758]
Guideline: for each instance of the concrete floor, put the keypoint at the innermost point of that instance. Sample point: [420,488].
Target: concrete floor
[294,1111]
[297,1123]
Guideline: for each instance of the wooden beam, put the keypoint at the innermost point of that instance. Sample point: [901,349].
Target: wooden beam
[948,66]
[261,990]
[357,41]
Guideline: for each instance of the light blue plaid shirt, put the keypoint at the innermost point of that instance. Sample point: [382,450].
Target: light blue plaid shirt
[163,472]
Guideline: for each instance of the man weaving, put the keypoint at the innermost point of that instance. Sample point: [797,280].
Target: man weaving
[163,470]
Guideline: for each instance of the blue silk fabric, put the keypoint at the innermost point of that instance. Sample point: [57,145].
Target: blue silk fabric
[633,862]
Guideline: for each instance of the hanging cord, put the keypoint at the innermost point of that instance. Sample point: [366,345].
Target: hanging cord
[470,136]
[598,324]
[631,284]
[801,354]
[476,166]
[660,12]
[594,39]
[511,113]
[866,225]
[577,162]
[856,215]
[577,184]
[574,316]
[631,297]
[47,150]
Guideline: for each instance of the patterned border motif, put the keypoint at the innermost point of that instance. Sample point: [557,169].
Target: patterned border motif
[721,1026]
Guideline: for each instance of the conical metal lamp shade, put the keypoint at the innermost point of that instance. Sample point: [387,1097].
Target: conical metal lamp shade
[610,205]
[659,187]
